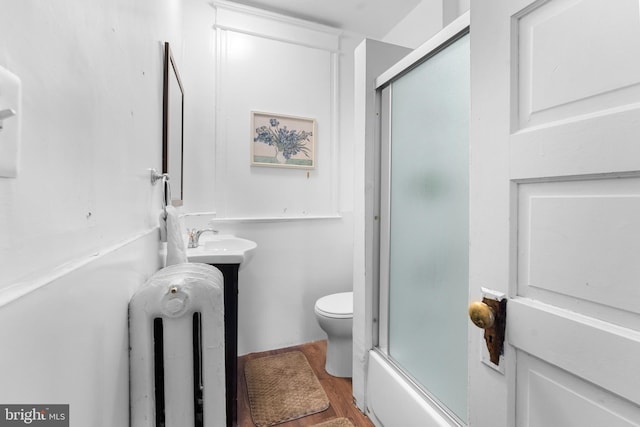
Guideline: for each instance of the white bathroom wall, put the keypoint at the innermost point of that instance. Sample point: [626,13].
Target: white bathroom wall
[426,19]
[198,78]
[418,26]
[463,6]
[67,342]
[91,126]
[296,263]
[270,64]
[78,224]
[239,59]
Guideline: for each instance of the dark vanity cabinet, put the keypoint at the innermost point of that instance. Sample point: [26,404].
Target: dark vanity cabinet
[230,274]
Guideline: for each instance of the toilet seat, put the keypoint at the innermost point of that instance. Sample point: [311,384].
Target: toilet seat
[337,306]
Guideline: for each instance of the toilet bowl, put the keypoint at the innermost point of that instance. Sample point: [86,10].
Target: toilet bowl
[335,316]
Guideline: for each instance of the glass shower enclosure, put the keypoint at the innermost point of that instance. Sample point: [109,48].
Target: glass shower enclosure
[424,236]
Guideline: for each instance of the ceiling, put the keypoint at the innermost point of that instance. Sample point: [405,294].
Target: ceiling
[371,18]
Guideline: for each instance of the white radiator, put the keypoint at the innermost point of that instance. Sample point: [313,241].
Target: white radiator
[176,339]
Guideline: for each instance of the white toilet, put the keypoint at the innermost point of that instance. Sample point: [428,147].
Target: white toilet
[335,316]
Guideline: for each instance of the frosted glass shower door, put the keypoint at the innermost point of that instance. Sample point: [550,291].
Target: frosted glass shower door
[427,226]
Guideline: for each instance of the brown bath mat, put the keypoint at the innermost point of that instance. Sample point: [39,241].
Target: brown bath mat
[338,422]
[281,388]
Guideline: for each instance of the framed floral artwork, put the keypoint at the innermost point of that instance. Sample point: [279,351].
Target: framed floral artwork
[282,141]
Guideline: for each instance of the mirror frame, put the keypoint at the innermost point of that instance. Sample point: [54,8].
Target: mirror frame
[171,72]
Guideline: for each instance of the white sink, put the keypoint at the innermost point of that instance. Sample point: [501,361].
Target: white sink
[222,249]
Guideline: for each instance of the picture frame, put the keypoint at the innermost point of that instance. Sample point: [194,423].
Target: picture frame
[283,141]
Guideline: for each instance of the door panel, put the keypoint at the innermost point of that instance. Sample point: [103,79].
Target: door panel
[556,154]
[575,75]
[579,147]
[599,352]
[557,220]
[548,396]
[556,79]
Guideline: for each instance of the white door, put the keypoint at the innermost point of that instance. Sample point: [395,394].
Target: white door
[555,210]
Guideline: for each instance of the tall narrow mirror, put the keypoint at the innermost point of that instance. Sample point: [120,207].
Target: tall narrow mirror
[172,130]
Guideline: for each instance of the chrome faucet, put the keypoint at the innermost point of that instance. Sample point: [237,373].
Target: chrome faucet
[194,236]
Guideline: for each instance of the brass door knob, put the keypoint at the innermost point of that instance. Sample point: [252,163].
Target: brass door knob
[481,315]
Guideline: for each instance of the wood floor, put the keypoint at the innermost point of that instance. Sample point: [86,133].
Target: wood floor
[338,390]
